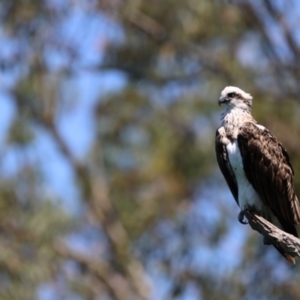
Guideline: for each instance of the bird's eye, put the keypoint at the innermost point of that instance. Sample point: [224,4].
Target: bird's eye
[231,95]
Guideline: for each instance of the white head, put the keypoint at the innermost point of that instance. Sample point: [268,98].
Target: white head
[234,97]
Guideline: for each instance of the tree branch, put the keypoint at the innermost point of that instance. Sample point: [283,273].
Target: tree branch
[273,235]
[116,284]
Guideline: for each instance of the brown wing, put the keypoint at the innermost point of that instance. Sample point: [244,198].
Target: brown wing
[223,161]
[268,168]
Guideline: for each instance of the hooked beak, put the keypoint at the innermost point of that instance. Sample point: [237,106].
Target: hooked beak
[223,100]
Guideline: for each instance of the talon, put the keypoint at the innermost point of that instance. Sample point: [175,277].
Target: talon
[241,215]
[241,218]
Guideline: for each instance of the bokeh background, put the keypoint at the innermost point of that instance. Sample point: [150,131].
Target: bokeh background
[109,187]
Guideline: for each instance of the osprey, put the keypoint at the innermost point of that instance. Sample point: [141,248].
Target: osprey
[255,165]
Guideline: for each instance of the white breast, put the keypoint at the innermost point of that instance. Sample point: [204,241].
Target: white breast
[246,193]
[235,158]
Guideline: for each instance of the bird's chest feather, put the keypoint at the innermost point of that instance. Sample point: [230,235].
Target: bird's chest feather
[235,158]
[246,193]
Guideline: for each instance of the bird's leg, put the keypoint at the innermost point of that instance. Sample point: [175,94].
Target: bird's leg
[241,215]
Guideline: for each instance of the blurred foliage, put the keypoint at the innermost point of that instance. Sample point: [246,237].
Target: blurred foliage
[154,219]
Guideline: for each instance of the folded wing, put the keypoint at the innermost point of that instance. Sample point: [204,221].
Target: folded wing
[224,164]
[268,168]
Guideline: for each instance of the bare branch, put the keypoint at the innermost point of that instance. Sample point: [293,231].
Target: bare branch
[107,216]
[116,284]
[273,235]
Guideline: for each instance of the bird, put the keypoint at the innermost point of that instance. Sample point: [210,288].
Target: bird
[255,165]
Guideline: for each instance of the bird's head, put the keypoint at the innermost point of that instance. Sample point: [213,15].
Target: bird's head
[234,97]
